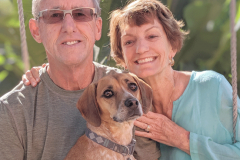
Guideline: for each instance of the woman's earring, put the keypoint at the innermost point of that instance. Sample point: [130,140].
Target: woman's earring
[171,62]
[125,69]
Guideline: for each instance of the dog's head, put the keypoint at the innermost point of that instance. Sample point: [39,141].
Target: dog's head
[119,97]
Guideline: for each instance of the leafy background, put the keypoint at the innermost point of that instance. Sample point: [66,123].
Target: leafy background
[206,48]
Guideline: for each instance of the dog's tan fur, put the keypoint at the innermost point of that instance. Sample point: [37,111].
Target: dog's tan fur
[110,117]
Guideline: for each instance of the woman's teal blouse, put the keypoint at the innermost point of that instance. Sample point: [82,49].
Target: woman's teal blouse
[206,110]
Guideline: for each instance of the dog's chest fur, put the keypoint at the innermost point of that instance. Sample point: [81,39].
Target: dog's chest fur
[94,150]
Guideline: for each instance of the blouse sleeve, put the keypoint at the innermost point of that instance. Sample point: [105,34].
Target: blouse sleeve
[204,148]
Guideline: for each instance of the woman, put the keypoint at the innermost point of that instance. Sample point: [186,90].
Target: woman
[192,116]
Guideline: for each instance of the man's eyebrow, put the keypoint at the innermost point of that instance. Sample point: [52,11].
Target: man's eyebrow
[62,7]
[56,7]
[77,7]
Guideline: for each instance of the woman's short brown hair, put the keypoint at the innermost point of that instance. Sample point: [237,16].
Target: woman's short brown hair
[137,13]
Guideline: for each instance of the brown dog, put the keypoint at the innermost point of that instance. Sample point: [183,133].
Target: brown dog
[110,108]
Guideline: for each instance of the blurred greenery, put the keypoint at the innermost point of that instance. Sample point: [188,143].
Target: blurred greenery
[206,48]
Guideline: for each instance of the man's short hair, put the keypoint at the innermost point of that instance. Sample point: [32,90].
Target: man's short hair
[36,4]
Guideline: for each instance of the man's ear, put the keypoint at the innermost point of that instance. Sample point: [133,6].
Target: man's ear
[34,29]
[98,29]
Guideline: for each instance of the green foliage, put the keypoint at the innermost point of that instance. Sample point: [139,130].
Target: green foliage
[207,46]
[3,75]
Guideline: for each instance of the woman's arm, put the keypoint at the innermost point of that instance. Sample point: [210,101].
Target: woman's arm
[199,145]
[204,147]
[31,77]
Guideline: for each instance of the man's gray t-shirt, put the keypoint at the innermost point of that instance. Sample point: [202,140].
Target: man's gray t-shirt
[37,122]
[43,122]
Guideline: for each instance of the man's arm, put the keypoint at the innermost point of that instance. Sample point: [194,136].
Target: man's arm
[10,146]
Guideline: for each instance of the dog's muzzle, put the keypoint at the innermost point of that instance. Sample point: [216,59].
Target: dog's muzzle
[131,109]
[131,103]
[134,108]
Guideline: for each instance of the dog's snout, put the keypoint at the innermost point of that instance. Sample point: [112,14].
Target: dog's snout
[131,102]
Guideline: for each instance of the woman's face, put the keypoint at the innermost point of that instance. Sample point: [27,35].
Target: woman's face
[146,49]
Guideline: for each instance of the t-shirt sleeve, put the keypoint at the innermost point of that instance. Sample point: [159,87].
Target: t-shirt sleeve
[146,148]
[10,145]
[204,148]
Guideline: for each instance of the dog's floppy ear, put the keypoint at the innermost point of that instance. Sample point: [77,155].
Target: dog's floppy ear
[88,106]
[146,93]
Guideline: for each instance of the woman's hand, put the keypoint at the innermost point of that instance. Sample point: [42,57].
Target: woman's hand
[31,77]
[163,130]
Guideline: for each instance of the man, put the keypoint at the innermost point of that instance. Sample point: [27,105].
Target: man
[43,122]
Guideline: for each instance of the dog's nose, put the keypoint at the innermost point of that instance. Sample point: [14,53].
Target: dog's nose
[131,102]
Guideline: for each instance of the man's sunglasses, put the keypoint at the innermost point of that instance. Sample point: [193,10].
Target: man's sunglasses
[51,16]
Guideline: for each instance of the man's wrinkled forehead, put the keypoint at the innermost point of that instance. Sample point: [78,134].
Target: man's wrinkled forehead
[63,4]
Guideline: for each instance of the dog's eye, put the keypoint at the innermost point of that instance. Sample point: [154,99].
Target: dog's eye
[108,94]
[132,86]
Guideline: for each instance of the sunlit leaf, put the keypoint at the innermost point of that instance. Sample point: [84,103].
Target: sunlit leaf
[3,75]
[8,48]
[237,19]
[20,64]
[12,57]
[13,23]
[2,60]
[238,13]
[8,67]
[169,3]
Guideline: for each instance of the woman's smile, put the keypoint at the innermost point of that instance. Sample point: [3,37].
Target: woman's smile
[145,60]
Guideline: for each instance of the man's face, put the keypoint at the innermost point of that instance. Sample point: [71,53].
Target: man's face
[69,42]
